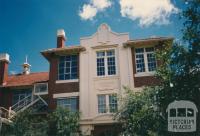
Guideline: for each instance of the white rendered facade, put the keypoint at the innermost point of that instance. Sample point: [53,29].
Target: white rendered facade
[92,85]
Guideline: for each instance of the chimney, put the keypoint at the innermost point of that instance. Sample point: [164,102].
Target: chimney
[4,61]
[60,38]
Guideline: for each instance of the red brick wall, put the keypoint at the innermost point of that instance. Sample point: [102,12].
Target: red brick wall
[1,97]
[3,72]
[146,81]
[54,87]
[143,80]
[6,98]
[107,130]
[60,42]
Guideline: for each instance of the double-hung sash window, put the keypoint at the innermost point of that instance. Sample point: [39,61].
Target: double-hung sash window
[107,103]
[102,103]
[41,88]
[106,64]
[68,67]
[70,102]
[112,103]
[145,59]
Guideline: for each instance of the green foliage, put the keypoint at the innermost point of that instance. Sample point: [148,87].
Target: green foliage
[63,122]
[179,73]
[191,30]
[144,114]
[138,114]
[26,124]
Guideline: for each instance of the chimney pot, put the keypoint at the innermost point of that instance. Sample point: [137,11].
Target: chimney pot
[4,57]
[61,32]
[60,38]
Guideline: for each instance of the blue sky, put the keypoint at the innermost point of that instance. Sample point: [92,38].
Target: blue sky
[29,26]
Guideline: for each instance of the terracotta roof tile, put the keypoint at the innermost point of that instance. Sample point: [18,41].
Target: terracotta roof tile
[147,41]
[65,50]
[26,80]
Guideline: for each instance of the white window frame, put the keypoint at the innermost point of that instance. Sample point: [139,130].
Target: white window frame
[107,104]
[67,80]
[106,62]
[146,72]
[115,95]
[40,93]
[68,105]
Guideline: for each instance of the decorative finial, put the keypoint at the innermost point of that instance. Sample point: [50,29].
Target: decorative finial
[26,66]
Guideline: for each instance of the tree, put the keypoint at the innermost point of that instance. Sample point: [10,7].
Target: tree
[63,122]
[138,114]
[191,30]
[179,74]
[26,124]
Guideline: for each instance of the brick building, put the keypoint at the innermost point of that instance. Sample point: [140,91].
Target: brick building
[86,78]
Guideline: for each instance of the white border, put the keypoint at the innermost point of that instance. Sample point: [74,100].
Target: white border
[63,95]
[66,81]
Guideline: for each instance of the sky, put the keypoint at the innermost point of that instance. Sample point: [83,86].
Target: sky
[28,27]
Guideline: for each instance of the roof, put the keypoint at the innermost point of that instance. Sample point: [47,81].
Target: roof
[62,51]
[26,80]
[154,40]
[182,104]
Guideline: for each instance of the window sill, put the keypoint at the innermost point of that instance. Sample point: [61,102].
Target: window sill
[104,114]
[66,81]
[106,77]
[44,93]
[144,74]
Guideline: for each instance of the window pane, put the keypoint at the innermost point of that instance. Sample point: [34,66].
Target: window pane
[73,76]
[101,104]
[110,53]
[111,66]
[139,50]
[41,88]
[67,63]
[19,95]
[61,70]
[67,58]
[151,61]
[74,104]
[100,54]
[150,49]
[68,67]
[61,64]
[71,103]
[140,66]
[60,103]
[100,67]
[62,58]
[74,57]
[74,70]
[113,103]
[74,63]
[181,112]
[172,113]
[61,77]
[67,76]
[67,70]
[190,112]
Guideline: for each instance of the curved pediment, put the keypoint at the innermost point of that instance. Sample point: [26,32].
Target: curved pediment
[104,36]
